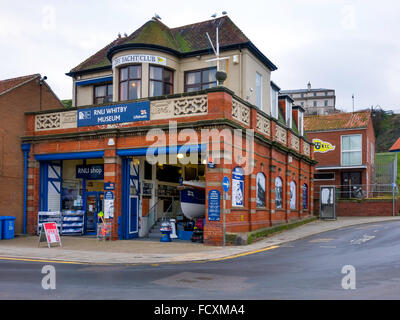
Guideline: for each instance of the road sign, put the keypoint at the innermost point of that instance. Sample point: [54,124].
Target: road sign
[226,184]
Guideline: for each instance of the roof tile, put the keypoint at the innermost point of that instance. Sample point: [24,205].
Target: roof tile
[8,84]
[343,120]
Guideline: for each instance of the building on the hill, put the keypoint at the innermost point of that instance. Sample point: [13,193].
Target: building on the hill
[318,101]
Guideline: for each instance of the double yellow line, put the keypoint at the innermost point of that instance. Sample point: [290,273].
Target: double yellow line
[152,264]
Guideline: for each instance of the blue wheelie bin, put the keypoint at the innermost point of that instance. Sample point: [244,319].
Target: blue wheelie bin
[1,225]
[8,226]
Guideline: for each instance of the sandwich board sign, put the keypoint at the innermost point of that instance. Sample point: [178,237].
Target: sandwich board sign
[49,232]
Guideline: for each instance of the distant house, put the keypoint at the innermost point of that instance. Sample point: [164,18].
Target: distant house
[17,96]
[344,146]
[319,101]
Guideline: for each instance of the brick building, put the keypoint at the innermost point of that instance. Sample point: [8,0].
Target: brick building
[146,110]
[344,146]
[17,96]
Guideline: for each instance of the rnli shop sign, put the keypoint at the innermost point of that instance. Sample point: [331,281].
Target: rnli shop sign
[139,58]
[128,112]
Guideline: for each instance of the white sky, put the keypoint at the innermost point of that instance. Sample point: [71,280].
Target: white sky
[350,46]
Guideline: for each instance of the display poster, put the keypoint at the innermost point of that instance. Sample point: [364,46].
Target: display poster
[292,195]
[260,190]
[305,196]
[237,187]
[49,232]
[214,205]
[109,205]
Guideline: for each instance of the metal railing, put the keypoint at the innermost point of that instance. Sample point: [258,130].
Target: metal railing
[152,216]
[364,191]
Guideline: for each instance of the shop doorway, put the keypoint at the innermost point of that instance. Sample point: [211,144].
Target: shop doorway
[132,225]
[94,204]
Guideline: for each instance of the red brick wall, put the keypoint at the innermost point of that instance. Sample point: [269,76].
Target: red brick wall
[12,123]
[366,208]
[270,161]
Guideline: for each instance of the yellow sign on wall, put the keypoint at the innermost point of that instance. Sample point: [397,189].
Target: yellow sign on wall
[322,146]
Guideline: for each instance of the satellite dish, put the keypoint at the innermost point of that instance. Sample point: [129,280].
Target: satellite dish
[157,16]
[214,15]
[224,13]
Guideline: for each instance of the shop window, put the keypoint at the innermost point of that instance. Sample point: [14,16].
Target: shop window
[278,193]
[292,195]
[161,81]
[305,196]
[238,187]
[200,79]
[260,191]
[351,150]
[168,173]
[130,82]
[148,171]
[103,93]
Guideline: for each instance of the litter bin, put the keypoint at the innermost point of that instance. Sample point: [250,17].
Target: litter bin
[8,226]
[165,232]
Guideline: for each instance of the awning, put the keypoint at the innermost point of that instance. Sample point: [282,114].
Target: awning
[69,155]
[161,150]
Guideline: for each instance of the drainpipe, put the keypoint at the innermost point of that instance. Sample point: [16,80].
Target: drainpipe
[26,147]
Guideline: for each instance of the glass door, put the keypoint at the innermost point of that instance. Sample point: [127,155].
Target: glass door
[94,204]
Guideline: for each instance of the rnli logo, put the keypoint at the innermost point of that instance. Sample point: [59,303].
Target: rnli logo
[322,146]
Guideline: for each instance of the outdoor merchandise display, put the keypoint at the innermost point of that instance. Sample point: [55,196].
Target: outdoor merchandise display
[72,222]
[197,235]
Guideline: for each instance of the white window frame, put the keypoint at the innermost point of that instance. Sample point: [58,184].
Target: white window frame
[274,106]
[288,112]
[372,153]
[341,150]
[300,124]
[259,91]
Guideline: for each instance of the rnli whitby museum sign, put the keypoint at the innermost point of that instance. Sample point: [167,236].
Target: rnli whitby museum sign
[139,58]
[322,146]
[119,113]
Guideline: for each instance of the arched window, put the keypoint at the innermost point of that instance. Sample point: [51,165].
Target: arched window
[292,195]
[238,187]
[260,190]
[278,193]
[305,196]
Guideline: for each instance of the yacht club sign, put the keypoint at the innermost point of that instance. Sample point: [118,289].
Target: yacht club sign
[322,146]
[139,58]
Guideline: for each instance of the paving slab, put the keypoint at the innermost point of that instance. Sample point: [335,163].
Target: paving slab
[92,251]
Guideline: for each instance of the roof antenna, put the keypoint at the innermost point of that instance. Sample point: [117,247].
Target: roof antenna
[217,58]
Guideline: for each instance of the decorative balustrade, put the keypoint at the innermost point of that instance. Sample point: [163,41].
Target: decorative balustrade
[240,112]
[295,143]
[281,134]
[306,148]
[179,107]
[55,120]
[263,124]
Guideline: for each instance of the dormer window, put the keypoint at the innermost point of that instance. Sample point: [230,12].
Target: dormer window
[288,113]
[130,83]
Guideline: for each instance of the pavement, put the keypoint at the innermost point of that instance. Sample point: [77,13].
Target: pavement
[89,250]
